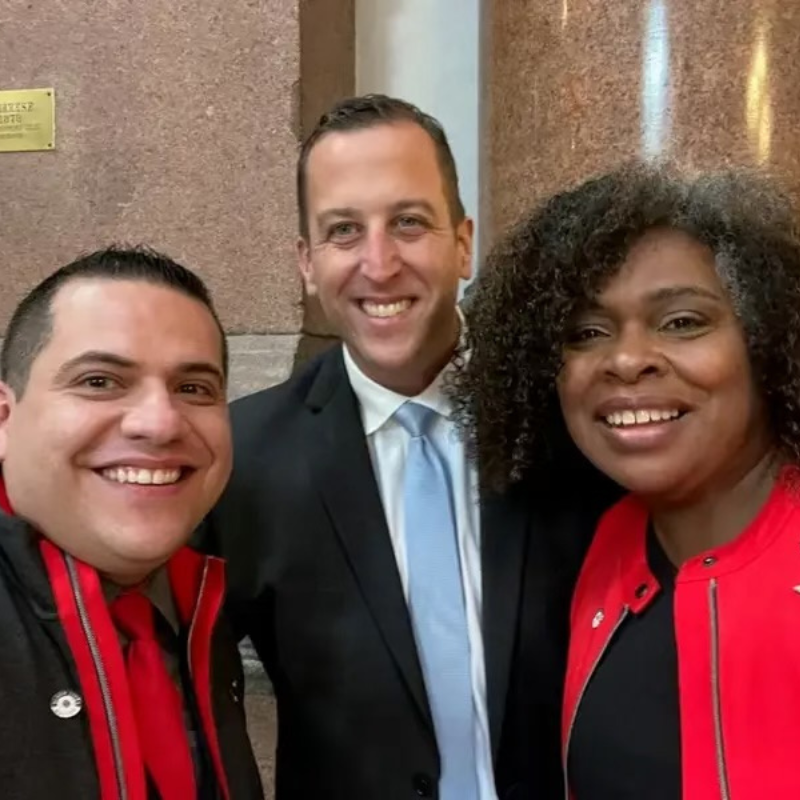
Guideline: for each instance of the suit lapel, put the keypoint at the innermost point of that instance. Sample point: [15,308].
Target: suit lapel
[343,470]
[503,536]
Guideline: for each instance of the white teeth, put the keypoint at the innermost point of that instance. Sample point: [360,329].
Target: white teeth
[143,477]
[383,310]
[641,416]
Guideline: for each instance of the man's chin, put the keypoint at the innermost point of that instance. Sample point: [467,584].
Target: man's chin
[138,553]
[384,355]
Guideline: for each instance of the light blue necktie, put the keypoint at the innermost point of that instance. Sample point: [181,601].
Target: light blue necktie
[436,602]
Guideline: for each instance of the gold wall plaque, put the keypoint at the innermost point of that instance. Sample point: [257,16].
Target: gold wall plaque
[27,120]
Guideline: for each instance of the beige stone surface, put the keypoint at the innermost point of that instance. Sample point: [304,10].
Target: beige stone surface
[262,726]
[177,125]
[576,86]
[258,362]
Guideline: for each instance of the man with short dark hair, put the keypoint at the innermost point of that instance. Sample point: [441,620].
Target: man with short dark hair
[118,676]
[368,111]
[413,627]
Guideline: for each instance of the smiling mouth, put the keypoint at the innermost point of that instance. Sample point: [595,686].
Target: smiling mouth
[378,310]
[641,416]
[144,477]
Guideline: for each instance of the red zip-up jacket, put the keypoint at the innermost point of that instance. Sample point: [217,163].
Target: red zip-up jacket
[737,628]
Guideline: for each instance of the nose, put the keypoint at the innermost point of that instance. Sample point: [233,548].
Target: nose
[634,356]
[380,259]
[154,417]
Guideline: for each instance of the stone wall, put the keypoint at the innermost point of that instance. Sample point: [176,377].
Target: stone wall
[177,125]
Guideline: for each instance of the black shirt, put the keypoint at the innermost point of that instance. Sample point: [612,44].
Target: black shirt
[625,743]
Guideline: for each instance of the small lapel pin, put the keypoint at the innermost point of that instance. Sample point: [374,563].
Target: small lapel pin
[598,618]
[66,704]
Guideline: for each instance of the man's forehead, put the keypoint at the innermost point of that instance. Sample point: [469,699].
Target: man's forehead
[351,172]
[120,300]
[381,143]
[96,293]
[129,319]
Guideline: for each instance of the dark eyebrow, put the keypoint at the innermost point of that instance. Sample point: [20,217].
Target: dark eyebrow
[665,294]
[94,357]
[332,213]
[91,357]
[680,292]
[405,205]
[202,368]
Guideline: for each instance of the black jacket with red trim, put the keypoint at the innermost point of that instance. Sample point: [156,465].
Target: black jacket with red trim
[66,720]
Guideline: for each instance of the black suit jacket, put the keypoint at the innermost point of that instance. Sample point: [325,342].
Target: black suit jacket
[314,583]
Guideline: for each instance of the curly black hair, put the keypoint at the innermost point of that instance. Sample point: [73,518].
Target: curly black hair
[562,254]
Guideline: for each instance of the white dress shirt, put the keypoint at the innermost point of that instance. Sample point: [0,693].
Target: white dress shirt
[388,443]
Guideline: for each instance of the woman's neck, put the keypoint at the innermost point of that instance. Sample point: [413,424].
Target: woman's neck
[718,517]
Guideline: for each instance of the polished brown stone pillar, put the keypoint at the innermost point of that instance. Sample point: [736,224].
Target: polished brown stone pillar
[574,87]
[328,62]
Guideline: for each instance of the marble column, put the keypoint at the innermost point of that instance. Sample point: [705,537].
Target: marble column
[177,125]
[328,53]
[574,87]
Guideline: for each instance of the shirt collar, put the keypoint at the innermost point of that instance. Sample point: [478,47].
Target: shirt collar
[156,589]
[379,404]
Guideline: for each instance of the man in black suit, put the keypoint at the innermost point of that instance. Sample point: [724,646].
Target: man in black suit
[399,672]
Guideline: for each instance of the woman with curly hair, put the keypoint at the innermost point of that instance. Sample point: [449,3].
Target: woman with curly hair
[655,318]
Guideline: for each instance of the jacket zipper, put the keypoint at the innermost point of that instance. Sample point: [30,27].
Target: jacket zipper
[722,770]
[190,637]
[189,640]
[101,675]
[622,617]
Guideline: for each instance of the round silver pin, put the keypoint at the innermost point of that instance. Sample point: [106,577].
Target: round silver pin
[598,618]
[66,704]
